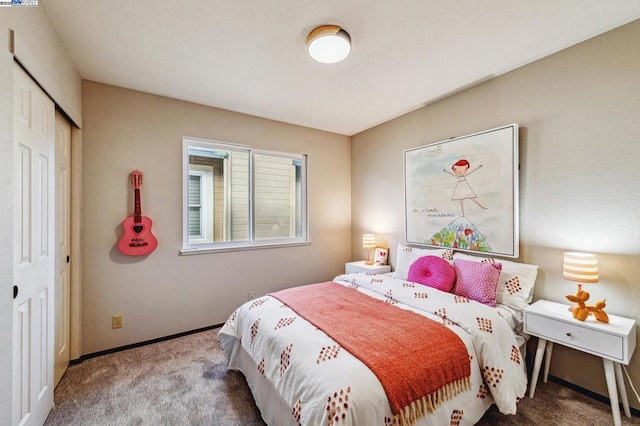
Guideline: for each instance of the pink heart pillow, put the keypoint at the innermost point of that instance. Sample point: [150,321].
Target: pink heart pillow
[432,271]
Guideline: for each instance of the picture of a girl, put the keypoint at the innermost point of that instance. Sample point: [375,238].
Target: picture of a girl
[463,191]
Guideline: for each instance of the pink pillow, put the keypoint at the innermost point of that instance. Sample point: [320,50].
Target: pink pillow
[432,271]
[477,280]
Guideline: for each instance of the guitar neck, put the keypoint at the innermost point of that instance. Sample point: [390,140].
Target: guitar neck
[137,216]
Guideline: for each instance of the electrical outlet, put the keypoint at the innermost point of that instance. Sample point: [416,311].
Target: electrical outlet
[117,321]
[252,295]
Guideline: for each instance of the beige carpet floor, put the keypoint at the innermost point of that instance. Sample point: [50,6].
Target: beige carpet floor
[184,381]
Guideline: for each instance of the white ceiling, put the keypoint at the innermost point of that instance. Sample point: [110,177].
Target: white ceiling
[249,55]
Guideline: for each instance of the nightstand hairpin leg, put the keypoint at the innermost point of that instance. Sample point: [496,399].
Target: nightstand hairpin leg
[544,349]
[613,392]
[542,343]
[622,391]
[547,361]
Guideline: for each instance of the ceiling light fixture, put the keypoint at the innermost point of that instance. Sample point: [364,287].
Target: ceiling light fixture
[328,44]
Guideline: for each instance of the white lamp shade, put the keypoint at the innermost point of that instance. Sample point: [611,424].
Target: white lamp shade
[580,267]
[328,44]
[368,241]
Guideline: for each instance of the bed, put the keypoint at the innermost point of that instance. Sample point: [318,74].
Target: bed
[298,348]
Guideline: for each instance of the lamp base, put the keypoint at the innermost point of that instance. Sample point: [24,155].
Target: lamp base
[581,311]
[369,261]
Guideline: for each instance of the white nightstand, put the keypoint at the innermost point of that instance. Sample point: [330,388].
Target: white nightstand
[613,342]
[360,266]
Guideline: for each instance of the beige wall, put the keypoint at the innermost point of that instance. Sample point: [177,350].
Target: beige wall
[40,50]
[166,293]
[580,171]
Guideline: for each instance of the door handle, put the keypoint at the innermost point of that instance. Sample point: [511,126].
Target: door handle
[15,291]
[68,259]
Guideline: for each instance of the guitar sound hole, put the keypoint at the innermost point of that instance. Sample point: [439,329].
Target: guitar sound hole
[138,229]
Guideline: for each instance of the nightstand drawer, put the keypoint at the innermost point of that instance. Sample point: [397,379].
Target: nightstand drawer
[573,335]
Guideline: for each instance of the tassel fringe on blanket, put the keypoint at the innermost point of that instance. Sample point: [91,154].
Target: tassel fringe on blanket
[411,413]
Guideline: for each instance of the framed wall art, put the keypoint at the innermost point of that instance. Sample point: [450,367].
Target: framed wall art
[462,193]
[381,255]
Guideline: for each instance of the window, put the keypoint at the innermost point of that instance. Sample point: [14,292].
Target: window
[200,205]
[240,197]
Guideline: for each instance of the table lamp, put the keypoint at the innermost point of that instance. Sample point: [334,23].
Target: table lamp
[368,242]
[583,268]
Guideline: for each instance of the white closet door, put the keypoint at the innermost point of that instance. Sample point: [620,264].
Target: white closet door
[34,252]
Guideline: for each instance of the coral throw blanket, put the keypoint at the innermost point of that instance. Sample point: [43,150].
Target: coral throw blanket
[419,362]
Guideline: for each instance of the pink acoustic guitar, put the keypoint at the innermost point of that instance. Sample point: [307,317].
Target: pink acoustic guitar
[137,239]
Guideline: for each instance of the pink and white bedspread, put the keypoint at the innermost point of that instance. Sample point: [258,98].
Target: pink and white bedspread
[299,375]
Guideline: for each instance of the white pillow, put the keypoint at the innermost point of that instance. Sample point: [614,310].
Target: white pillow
[406,255]
[516,282]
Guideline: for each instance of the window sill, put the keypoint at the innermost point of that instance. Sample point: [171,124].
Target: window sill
[192,251]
